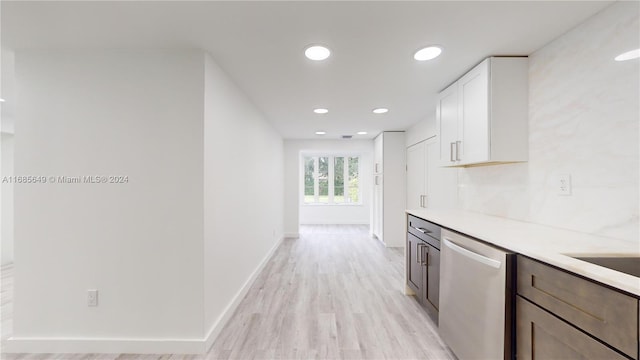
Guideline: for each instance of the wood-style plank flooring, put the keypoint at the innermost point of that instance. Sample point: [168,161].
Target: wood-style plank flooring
[334,293]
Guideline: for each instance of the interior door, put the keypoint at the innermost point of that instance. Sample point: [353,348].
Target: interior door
[416,176]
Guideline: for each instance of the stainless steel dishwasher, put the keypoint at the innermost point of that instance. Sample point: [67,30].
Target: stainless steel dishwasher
[476,298]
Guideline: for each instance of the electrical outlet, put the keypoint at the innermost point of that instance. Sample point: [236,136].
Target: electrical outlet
[92,297]
[563,184]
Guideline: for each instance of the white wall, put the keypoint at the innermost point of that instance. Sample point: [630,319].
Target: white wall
[174,250]
[295,213]
[6,199]
[583,121]
[422,130]
[137,114]
[7,91]
[243,192]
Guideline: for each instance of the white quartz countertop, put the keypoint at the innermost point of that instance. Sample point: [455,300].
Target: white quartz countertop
[547,244]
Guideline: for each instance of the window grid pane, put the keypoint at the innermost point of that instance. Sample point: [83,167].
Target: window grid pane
[309,196]
[331,179]
[323,179]
[354,190]
[338,180]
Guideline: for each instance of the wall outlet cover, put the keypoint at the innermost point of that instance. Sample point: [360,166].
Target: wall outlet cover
[563,184]
[92,297]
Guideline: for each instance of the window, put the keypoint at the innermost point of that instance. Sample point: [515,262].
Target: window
[331,179]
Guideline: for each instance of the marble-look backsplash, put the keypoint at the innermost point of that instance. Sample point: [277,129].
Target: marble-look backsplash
[584,116]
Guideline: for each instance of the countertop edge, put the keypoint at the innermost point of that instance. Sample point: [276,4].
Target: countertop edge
[551,250]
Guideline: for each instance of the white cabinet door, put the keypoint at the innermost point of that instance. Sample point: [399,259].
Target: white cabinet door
[378,154]
[430,185]
[376,225]
[483,117]
[377,206]
[416,175]
[473,115]
[441,182]
[447,122]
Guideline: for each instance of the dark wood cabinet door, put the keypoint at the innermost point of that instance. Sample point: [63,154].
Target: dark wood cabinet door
[414,268]
[425,275]
[606,314]
[540,335]
[433,276]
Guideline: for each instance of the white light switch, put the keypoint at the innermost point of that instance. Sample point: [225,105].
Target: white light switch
[92,297]
[564,184]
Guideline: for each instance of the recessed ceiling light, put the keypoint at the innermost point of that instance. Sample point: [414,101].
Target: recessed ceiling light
[1,100]
[362,133]
[317,52]
[428,53]
[320,132]
[320,111]
[380,110]
[629,55]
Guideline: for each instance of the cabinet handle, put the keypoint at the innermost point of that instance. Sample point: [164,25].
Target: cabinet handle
[376,182]
[419,250]
[426,257]
[458,143]
[422,230]
[423,200]
[377,164]
[451,152]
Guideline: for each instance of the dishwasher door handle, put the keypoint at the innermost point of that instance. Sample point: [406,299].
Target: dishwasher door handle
[471,255]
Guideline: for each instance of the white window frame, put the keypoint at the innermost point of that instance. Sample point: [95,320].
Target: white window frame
[331,179]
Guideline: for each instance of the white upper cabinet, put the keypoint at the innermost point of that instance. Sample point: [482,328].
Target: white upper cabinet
[447,115]
[483,117]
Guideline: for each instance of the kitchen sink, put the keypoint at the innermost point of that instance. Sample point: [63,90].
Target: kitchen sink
[625,264]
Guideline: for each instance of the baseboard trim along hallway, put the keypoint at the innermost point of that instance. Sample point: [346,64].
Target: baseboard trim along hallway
[334,293]
[133,345]
[220,323]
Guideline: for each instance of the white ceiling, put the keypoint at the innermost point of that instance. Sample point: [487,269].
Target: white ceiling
[261,45]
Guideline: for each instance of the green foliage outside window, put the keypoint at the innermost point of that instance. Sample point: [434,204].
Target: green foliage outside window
[344,190]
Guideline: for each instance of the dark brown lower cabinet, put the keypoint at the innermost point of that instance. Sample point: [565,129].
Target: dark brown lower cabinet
[423,273]
[543,336]
[601,312]
[414,267]
[560,315]
[432,261]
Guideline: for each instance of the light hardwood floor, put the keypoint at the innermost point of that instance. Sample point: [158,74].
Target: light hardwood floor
[334,293]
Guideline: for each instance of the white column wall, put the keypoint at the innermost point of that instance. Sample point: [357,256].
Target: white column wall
[135,114]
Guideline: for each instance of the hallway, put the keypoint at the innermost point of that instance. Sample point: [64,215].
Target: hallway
[333,293]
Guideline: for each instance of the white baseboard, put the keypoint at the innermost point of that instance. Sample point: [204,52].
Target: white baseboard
[35,345]
[292,235]
[219,324]
[333,222]
[81,345]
